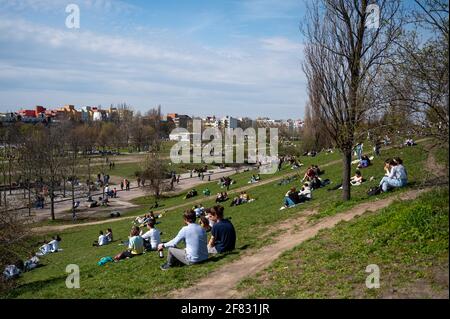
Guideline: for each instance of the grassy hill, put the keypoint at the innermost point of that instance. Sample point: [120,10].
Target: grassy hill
[141,277]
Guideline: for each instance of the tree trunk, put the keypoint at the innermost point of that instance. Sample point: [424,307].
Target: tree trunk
[52,203]
[347,164]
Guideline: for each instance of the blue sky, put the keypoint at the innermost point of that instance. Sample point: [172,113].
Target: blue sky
[239,58]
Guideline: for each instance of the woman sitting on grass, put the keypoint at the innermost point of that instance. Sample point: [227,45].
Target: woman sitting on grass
[398,177]
[135,245]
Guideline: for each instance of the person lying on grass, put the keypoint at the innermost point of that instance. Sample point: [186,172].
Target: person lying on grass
[152,238]
[195,239]
[223,234]
[51,247]
[135,245]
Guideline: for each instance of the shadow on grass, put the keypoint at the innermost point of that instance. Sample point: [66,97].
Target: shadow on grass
[34,286]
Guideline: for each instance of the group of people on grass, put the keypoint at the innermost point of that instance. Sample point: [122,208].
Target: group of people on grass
[254,179]
[294,197]
[243,198]
[396,175]
[198,248]
[104,239]
[312,176]
[221,197]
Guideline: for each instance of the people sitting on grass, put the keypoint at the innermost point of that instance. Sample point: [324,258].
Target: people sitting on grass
[195,239]
[364,162]
[207,192]
[397,177]
[254,179]
[152,238]
[243,198]
[317,170]
[102,240]
[15,270]
[409,142]
[191,193]
[293,197]
[318,182]
[305,193]
[50,247]
[223,234]
[225,182]
[135,245]
[199,210]
[310,174]
[221,197]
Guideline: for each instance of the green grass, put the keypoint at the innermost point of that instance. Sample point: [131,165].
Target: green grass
[141,277]
[407,240]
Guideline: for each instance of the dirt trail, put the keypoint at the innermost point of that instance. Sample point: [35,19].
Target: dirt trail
[227,277]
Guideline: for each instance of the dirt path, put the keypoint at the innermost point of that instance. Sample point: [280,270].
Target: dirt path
[298,230]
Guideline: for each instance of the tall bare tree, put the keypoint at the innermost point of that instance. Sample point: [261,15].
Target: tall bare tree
[347,45]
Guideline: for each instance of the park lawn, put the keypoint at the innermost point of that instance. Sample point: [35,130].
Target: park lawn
[141,277]
[407,240]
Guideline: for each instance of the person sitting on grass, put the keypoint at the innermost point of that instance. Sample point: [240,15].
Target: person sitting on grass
[310,174]
[254,179]
[152,238]
[205,223]
[191,193]
[135,245]
[291,198]
[398,177]
[195,239]
[305,193]
[221,197]
[199,210]
[102,240]
[207,192]
[223,234]
[109,235]
[357,179]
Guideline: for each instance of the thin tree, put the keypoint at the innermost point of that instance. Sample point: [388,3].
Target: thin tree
[346,47]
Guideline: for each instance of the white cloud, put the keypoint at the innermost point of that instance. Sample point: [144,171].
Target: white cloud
[262,77]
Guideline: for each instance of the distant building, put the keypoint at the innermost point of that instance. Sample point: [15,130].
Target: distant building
[229,122]
[179,120]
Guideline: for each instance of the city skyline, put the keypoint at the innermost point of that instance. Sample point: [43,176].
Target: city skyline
[237,58]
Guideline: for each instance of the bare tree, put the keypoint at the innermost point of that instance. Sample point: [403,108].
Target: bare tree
[344,56]
[155,172]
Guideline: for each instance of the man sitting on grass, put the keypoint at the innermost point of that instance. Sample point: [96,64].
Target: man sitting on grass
[223,234]
[196,244]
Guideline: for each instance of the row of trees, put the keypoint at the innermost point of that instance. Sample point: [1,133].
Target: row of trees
[374,64]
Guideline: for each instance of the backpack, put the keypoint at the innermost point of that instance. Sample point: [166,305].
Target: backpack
[374,191]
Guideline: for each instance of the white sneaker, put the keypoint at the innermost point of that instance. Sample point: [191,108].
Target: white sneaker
[284,207]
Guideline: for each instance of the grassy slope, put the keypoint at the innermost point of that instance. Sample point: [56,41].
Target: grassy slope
[141,277]
[407,240]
